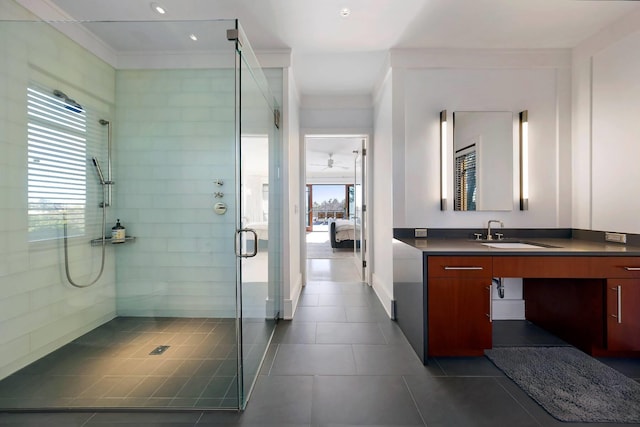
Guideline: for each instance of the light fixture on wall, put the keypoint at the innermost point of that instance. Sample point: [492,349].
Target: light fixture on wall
[524,160]
[443,160]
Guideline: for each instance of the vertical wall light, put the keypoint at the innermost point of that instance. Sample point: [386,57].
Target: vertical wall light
[524,160]
[443,160]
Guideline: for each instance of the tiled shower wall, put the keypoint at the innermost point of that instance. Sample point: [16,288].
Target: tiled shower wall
[174,138]
[174,135]
[39,310]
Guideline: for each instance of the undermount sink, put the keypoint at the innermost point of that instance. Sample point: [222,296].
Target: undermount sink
[515,245]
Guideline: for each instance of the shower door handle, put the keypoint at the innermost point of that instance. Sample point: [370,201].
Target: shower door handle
[238,246]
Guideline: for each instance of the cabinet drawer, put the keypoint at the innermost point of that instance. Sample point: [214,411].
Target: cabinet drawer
[622,267]
[459,267]
[566,266]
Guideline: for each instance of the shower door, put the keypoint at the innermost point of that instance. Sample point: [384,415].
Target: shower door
[257,222]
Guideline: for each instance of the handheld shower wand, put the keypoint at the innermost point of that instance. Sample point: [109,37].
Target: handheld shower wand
[96,163]
[106,201]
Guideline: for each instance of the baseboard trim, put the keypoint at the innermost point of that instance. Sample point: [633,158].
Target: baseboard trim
[381,292]
[289,305]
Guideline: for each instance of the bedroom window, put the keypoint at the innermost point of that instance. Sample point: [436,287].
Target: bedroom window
[328,202]
[351,198]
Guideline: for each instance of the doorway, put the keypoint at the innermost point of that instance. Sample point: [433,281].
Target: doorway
[335,221]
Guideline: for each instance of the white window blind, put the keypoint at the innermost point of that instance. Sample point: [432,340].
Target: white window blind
[57,165]
[465,179]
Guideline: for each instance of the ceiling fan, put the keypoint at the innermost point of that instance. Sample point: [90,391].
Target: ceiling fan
[331,164]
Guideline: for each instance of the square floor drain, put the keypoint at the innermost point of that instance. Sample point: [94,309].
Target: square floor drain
[159,350]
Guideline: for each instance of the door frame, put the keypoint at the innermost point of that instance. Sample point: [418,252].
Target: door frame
[306,134]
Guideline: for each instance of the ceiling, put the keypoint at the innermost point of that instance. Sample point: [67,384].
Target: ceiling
[341,150]
[332,54]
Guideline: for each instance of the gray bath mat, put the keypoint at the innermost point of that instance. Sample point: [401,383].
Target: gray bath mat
[569,384]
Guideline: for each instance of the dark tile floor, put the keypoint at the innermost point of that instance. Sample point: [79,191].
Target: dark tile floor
[341,362]
[112,367]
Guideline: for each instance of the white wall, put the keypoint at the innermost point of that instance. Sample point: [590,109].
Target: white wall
[498,86]
[381,201]
[419,85]
[175,136]
[615,138]
[330,114]
[581,143]
[331,180]
[292,236]
[39,310]
[605,106]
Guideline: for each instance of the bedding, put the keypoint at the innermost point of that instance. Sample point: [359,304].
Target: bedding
[345,230]
[342,234]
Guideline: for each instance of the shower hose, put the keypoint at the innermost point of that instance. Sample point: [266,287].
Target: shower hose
[104,241]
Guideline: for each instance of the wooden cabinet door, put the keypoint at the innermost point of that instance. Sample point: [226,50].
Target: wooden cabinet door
[459,316]
[623,314]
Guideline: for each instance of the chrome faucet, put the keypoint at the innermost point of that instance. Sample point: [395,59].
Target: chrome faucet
[489,236]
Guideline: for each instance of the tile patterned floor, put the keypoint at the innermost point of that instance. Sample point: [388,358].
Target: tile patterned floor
[341,362]
[319,246]
[112,367]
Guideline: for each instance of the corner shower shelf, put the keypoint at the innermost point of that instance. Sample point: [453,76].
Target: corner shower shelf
[98,242]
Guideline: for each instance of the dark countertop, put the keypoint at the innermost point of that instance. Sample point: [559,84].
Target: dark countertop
[558,247]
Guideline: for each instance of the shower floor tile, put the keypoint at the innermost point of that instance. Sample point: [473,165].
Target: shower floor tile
[110,367]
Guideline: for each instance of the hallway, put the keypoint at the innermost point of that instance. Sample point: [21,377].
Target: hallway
[342,362]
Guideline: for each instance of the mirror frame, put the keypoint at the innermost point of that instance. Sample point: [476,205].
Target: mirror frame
[446,160]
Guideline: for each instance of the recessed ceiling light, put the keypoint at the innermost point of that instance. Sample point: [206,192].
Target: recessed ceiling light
[158,8]
[193,37]
[345,11]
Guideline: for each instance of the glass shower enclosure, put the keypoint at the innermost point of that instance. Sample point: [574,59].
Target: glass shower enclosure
[184,310]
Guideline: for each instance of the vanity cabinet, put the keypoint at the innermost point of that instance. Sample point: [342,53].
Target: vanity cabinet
[585,295]
[623,314]
[459,306]
[591,302]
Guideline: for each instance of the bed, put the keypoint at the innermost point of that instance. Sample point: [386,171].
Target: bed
[342,234]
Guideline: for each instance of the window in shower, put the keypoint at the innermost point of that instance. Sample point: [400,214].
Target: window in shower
[57,171]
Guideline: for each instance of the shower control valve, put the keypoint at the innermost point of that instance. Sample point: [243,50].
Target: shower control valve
[218,194]
[218,182]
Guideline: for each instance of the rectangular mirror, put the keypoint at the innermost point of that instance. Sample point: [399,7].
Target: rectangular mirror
[483,160]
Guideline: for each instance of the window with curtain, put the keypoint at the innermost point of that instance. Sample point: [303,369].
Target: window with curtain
[57,164]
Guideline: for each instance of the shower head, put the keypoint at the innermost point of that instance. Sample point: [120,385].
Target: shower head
[96,163]
[71,103]
[103,122]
